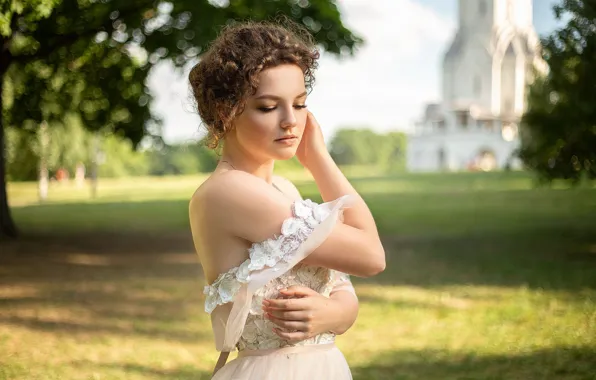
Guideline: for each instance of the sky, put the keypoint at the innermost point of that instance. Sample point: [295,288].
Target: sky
[384,86]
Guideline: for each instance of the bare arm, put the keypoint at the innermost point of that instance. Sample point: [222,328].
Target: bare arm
[346,309]
[257,212]
[333,184]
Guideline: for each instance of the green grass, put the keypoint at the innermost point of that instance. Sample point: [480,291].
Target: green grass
[488,277]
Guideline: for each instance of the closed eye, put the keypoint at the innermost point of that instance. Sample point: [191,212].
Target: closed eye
[269,109]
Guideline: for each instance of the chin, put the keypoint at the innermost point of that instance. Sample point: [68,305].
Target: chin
[283,155]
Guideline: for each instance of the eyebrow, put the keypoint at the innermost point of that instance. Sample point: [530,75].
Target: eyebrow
[274,97]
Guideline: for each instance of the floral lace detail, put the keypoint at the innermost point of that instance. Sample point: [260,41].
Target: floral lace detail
[258,333]
[294,231]
[336,280]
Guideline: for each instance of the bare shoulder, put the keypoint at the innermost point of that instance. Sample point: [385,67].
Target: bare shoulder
[241,204]
[220,193]
[232,189]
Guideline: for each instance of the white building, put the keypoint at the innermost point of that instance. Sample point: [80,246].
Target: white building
[485,73]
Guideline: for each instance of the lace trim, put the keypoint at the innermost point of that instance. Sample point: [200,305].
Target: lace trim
[341,277]
[294,231]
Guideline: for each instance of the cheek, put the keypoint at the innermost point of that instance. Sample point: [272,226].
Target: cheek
[257,126]
[262,122]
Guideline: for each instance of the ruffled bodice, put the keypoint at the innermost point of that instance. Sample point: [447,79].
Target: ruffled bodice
[274,265]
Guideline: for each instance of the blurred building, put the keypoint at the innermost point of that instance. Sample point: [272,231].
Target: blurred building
[485,73]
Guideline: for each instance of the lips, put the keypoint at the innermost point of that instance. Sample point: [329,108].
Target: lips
[286,138]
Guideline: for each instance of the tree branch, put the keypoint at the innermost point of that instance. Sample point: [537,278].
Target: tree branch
[66,40]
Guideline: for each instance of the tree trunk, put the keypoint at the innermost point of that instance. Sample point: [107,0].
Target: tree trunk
[7,226]
[43,163]
[95,154]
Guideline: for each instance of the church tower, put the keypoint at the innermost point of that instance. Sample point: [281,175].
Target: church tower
[485,72]
[486,68]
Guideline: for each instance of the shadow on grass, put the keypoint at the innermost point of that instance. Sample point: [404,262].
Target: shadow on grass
[139,292]
[184,373]
[129,269]
[560,259]
[63,288]
[573,363]
[551,364]
[135,262]
[99,327]
[538,239]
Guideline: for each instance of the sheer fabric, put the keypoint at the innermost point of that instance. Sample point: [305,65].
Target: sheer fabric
[235,297]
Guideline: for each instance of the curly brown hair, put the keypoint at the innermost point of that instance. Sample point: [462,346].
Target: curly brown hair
[228,71]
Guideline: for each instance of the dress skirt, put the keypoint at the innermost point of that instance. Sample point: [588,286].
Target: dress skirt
[310,362]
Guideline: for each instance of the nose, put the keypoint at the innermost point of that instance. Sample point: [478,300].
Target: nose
[289,118]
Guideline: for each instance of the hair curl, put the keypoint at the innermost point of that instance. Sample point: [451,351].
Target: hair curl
[228,71]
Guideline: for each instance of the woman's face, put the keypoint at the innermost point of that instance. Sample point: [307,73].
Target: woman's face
[273,120]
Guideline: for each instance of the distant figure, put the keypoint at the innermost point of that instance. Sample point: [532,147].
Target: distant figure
[80,175]
[275,263]
[61,175]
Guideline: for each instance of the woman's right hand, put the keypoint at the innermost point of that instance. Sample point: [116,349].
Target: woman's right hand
[303,313]
[312,146]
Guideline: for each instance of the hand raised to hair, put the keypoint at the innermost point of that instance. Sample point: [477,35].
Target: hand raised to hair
[312,146]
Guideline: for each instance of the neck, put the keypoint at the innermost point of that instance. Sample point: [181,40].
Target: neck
[239,159]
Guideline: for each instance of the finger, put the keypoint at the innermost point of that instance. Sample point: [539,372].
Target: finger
[298,291]
[286,304]
[310,118]
[292,337]
[290,315]
[292,325]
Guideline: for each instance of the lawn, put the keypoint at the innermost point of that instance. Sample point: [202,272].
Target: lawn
[488,277]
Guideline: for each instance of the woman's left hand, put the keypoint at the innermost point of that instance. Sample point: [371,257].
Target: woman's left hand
[302,313]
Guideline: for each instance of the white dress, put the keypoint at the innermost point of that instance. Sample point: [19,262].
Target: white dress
[235,298]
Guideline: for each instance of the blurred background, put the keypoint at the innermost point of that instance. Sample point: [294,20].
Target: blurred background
[469,127]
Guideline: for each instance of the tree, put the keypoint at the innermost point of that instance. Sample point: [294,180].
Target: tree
[69,145]
[559,127]
[91,57]
[365,147]
[119,158]
[66,145]
[189,158]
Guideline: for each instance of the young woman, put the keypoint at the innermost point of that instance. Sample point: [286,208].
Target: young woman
[277,265]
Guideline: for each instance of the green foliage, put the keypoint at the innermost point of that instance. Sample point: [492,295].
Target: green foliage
[559,136]
[365,147]
[29,10]
[92,58]
[66,145]
[21,159]
[119,158]
[63,144]
[196,157]
[188,158]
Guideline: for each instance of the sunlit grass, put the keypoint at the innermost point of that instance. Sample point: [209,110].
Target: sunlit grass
[487,278]
[109,189]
